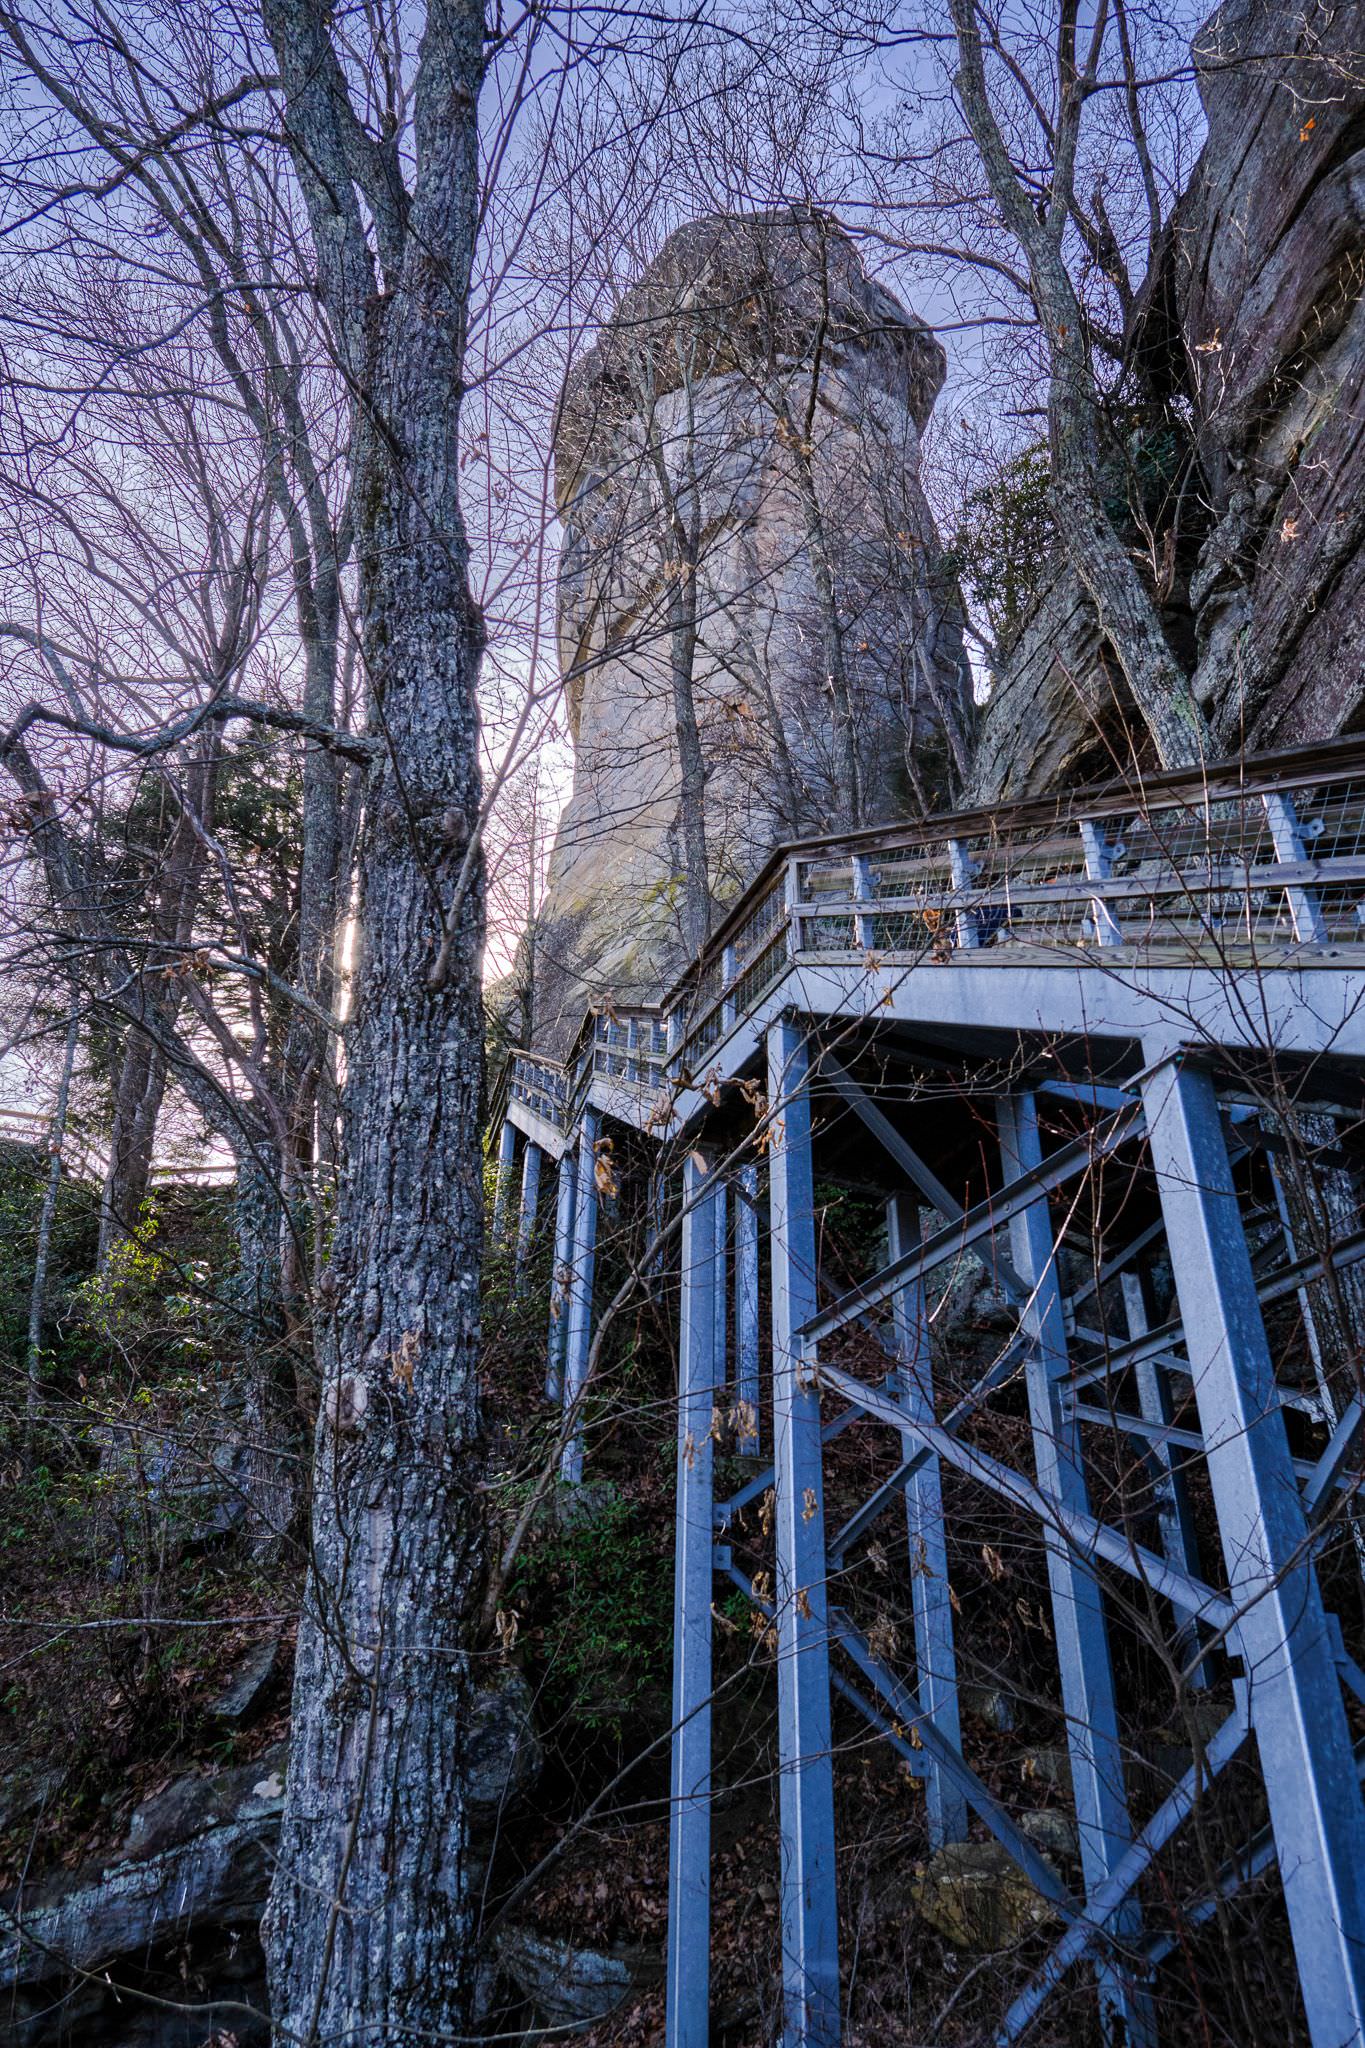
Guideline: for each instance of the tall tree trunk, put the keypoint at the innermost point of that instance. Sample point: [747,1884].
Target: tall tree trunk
[1126,609]
[832,637]
[682,658]
[369,1925]
[46,1219]
[139,1091]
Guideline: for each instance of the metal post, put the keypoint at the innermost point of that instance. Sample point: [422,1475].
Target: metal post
[1082,1638]
[1305,912]
[1099,865]
[561,1284]
[935,1663]
[1175,1518]
[747,1393]
[962,868]
[729,972]
[530,1200]
[810,1926]
[689,1827]
[864,891]
[579,1333]
[722,1286]
[507,1147]
[1297,1712]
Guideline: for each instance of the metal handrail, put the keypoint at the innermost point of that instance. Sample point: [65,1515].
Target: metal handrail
[1242,859]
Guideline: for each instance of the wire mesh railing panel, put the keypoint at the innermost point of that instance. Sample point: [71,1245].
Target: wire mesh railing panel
[819,880]
[1341,906]
[904,931]
[542,1086]
[1011,916]
[1186,837]
[908,871]
[754,935]
[1332,820]
[630,1046]
[761,973]
[827,934]
[1043,858]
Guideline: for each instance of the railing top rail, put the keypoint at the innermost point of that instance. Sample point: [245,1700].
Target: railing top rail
[1241,776]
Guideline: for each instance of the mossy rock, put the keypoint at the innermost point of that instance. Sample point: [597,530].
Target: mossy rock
[976,1897]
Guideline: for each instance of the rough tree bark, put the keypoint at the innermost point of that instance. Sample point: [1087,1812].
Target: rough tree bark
[369,1921]
[141,1079]
[680,542]
[47,1218]
[1127,611]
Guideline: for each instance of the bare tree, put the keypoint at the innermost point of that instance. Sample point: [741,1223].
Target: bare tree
[360,1940]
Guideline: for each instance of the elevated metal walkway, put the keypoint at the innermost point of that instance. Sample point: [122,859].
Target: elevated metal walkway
[1111,1047]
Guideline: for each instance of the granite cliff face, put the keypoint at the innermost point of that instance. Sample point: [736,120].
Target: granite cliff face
[743,439]
[1268,272]
[1252,327]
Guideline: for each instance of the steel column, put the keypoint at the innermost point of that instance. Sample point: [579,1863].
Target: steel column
[507,1148]
[746,1310]
[935,1662]
[1297,1712]
[561,1283]
[810,1927]
[1305,913]
[579,1334]
[1175,1519]
[689,1826]
[721,1289]
[1099,865]
[530,1200]
[1077,1612]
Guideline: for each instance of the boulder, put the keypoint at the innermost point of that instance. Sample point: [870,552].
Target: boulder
[247,1682]
[1052,1829]
[190,1880]
[28,1790]
[988,1704]
[977,1898]
[504,1755]
[197,1853]
[567,1987]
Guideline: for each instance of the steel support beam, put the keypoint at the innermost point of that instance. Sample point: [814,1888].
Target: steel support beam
[747,1393]
[877,1502]
[810,1927]
[1078,1620]
[561,1282]
[721,1374]
[983,1221]
[1221,1749]
[688,2019]
[1305,911]
[578,1337]
[532,1159]
[935,1661]
[1297,1711]
[1030,1860]
[502,1185]
[1175,1518]
[915,1169]
[1085,1533]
